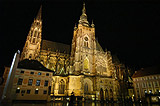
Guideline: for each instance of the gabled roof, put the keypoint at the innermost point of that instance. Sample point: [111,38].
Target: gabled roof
[147,71]
[54,46]
[33,65]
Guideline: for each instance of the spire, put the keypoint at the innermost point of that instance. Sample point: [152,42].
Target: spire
[39,15]
[83,17]
[84,9]
[33,39]
[92,25]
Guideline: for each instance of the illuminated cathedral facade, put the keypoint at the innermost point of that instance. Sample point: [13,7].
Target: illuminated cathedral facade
[84,69]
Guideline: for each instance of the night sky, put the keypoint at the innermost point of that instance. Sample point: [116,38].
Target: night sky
[127,28]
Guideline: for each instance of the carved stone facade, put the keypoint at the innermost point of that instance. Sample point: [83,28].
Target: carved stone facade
[85,69]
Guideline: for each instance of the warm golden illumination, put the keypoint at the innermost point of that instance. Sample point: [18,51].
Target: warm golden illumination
[86,64]
[85,68]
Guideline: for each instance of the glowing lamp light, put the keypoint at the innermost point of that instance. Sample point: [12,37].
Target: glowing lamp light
[36,88]
[67,98]
[18,87]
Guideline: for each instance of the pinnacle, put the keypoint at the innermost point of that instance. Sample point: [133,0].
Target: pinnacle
[39,15]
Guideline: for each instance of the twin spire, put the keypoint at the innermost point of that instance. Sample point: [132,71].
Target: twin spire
[83,18]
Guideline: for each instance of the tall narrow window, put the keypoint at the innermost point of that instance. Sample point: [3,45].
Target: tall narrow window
[45,92]
[46,83]
[30,82]
[149,84]
[17,90]
[61,87]
[20,80]
[86,64]
[144,85]
[155,84]
[36,91]
[34,40]
[86,42]
[35,33]
[28,91]
[38,83]
[85,88]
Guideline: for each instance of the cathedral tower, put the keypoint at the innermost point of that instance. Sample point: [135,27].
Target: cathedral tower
[32,46]
[83,46]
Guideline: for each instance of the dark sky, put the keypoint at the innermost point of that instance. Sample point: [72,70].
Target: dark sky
[128,28]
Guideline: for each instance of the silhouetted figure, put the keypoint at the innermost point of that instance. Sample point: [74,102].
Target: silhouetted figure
[72,99]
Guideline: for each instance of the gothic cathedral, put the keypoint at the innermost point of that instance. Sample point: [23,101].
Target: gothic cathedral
[84,68]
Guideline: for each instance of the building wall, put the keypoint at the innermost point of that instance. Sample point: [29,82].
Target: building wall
[20,89]
[146,84]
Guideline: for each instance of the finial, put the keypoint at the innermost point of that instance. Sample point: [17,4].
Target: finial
[84,9]
[92,25]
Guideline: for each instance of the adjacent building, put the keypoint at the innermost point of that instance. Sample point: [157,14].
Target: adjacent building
[146,81]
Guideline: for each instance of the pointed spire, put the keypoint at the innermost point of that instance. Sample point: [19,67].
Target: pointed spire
[83,17]
[92,25]
[84,9]
[39,15]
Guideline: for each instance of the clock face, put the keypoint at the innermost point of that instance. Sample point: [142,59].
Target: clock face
[86,39]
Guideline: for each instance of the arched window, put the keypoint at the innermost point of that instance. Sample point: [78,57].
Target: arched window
[86,41]
[61,87]
[34,40]
[35,33]
[85,88]
[111,93]
[101,94]
[86,64]
[106,94]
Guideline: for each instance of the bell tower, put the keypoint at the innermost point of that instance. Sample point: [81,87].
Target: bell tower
[31,48]
[83,46]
